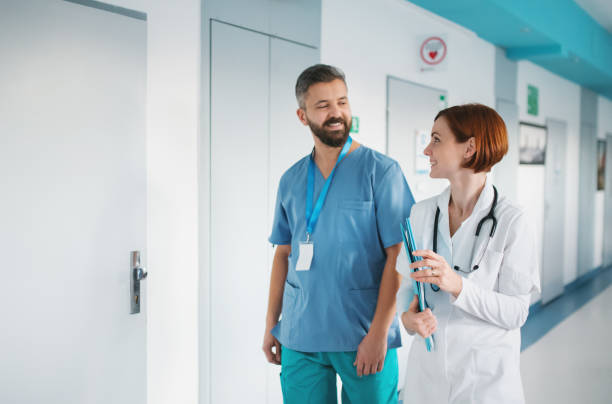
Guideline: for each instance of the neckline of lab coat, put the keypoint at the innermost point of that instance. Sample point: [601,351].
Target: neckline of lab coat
[485,199]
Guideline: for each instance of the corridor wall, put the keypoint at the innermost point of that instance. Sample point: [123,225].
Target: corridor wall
[558,99]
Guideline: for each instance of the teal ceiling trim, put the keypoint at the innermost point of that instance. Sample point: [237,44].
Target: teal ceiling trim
[526,52]
[555,34]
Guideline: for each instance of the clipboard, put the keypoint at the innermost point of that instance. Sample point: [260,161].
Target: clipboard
[418,287]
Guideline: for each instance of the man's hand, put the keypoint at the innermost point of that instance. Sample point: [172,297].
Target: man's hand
[271,348]
[371,355]
[280,266]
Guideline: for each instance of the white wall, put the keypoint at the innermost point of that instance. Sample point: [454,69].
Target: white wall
[558,99]
[370,41]
[604,126]
[173,123]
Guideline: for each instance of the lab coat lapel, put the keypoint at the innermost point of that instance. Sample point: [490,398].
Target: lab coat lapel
[443,224]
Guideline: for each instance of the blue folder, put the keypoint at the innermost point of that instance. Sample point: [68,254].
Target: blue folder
[418,287]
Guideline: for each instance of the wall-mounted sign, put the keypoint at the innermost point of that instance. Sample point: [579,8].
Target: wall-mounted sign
[532,144]
[355,124]
[443,102]
[421,160]
[532,100]
[432,52]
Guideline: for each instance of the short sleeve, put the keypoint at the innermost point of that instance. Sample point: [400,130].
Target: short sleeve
[520,273]
[281,232]
[393,200]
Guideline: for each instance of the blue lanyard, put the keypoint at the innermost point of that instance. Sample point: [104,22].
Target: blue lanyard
[313,215]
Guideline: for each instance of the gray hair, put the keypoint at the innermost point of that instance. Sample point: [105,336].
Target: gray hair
[315,74]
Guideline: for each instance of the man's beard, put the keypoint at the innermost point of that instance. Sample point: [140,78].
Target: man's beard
[332,138]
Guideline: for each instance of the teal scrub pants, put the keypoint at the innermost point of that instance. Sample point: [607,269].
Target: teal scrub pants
[310,378]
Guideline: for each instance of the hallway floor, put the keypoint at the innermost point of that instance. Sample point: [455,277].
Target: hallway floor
[572,363]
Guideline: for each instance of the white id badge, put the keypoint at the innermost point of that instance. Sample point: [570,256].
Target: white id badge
[305,257]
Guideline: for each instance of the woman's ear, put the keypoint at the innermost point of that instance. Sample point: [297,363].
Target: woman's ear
[470,149]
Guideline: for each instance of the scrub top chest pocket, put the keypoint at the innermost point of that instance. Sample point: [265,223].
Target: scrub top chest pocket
[354,216]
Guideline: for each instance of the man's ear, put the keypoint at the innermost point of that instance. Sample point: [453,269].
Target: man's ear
[470,149]
[302,116]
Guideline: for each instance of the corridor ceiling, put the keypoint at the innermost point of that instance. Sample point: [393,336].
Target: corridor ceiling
[558,35]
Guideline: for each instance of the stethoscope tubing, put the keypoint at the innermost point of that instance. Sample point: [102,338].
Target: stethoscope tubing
[489,216]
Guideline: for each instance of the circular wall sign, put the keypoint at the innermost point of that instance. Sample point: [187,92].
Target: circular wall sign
[433,50]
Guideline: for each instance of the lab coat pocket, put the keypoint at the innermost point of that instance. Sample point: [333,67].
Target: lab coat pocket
[495,377]
[362,307]
[488,269]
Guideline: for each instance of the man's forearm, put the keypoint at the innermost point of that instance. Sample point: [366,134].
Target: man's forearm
[280,266]
[389,285]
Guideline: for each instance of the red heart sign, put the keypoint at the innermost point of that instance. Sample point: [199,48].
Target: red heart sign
[433,54]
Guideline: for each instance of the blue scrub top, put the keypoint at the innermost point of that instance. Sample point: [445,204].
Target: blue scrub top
[330,307]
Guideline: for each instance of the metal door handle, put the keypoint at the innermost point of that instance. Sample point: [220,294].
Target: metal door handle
[137,273]
[140,273]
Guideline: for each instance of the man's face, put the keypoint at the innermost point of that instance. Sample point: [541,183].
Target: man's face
[327,112]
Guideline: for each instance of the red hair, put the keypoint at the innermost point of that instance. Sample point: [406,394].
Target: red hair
[485,126]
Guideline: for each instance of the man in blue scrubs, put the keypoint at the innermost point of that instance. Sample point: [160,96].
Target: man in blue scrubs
[337,231]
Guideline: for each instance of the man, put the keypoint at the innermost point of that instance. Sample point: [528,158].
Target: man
[337,231]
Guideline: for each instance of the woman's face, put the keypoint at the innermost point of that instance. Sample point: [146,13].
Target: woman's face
[445,154]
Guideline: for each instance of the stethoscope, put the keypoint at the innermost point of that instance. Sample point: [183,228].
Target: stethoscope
[489,216]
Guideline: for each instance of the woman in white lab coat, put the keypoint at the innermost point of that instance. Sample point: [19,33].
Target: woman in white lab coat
[477,283]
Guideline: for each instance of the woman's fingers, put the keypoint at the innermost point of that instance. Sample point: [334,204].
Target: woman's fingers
[428,279]
[427,262]
[426,272]
[426,323]
[425,254]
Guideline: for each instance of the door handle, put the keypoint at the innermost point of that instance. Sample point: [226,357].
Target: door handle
[137,274]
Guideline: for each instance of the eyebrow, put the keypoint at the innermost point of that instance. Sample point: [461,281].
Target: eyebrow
[344,97]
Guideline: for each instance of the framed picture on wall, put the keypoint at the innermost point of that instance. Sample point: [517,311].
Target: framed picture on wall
[601,164]
[532,144]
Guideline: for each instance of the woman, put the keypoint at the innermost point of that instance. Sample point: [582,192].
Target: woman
[479,268]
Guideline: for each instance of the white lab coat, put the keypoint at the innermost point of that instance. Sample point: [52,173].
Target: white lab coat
[478,335]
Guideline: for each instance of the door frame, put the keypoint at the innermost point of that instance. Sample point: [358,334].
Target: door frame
[553,276]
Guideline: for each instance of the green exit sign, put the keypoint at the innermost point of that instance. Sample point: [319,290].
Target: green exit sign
[532,100]
[355,125]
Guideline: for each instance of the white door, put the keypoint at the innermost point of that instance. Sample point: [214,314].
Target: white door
[255,137]
[607,237]
[72,203]
[411,109]
[587,192]
[553,240]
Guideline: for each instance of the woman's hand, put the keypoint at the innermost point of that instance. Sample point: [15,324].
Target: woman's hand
[423,323]
[439,272]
